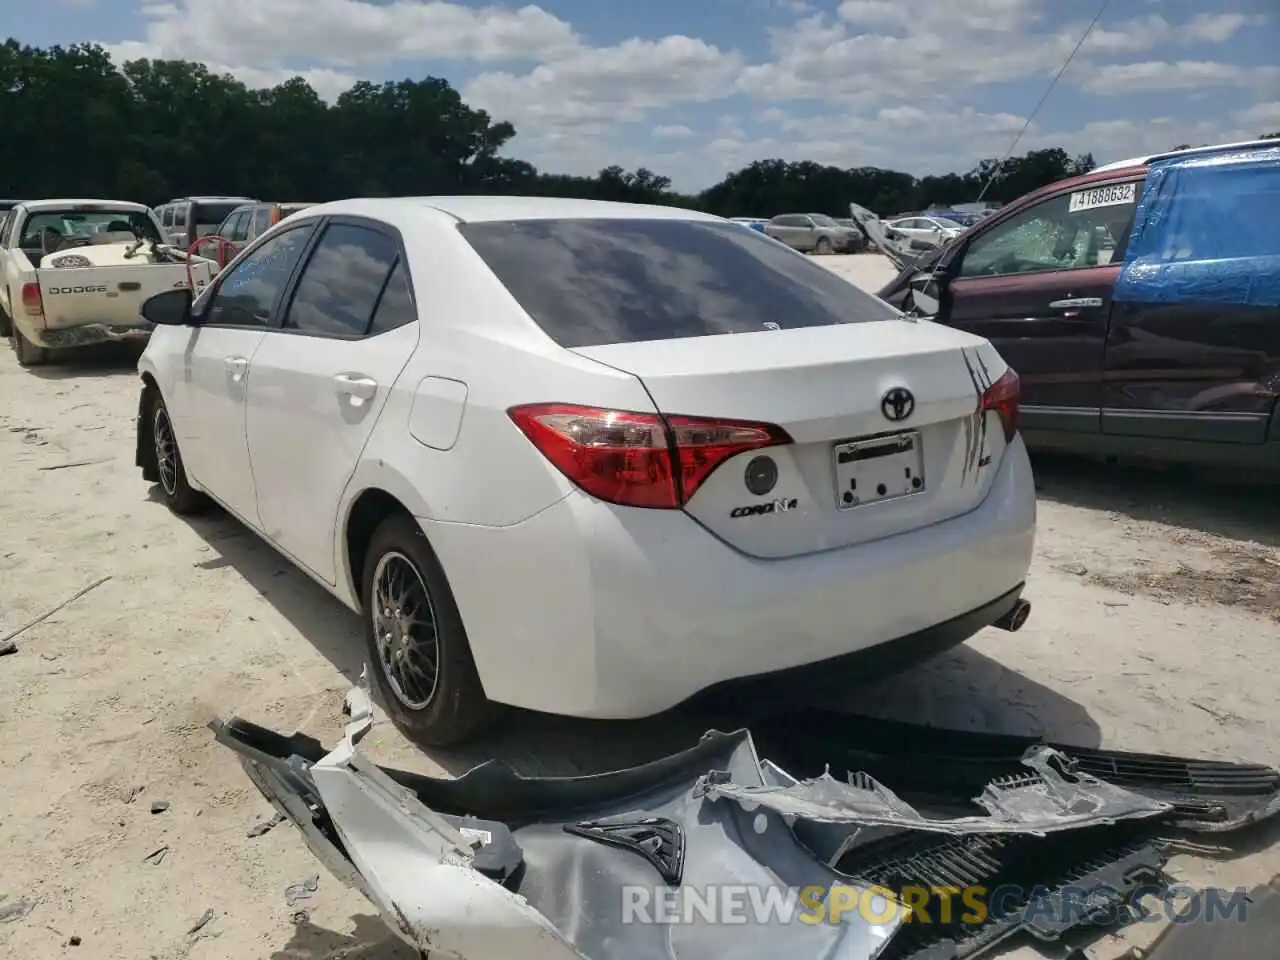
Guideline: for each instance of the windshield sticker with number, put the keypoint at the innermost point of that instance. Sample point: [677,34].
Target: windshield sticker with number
[1109,196]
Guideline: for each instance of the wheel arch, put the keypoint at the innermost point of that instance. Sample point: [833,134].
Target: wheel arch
[144,452]
[366,513]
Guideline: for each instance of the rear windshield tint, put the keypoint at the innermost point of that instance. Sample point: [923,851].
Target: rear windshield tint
[593,282]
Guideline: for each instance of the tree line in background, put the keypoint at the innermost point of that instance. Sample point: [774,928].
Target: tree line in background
[78,125]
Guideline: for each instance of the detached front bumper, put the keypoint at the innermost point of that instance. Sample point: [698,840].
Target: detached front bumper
[712,852]
[92,334]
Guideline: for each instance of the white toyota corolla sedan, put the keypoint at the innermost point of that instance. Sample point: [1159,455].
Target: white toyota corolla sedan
[591,458]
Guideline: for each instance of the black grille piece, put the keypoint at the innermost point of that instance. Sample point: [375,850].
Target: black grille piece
[928,766]
[657,839]
[1038,886]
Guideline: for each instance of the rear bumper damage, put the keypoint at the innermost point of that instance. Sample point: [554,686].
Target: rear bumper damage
[725,617]
[91,334]
[712,852]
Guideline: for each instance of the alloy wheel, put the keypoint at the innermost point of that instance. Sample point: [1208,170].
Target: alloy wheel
[404,626]
[166,451]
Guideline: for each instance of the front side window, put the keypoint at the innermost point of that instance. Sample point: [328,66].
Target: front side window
[1067,232]
[592,282]
[247,295]
[342,281]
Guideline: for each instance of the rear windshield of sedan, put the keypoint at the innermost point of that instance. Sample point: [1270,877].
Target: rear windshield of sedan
[593,282]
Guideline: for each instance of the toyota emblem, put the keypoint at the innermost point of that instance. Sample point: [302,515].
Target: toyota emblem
[897,404]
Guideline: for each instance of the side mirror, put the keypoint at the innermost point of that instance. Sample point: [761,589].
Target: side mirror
[171,308]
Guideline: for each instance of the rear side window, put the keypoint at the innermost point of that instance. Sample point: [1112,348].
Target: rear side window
[395,308]
[592,282]
[342,281]
[261,220]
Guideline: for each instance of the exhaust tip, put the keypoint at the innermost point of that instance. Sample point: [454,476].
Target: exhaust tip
[1015,618]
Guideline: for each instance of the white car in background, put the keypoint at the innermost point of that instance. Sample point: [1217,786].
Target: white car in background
[932,230]
[591,458]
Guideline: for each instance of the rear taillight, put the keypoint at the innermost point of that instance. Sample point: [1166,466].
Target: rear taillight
[32,302]
[638,459]
[1002,397]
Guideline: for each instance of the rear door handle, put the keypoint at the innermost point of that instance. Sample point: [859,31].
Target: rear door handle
[1076,303]
[237,367]
[358,388]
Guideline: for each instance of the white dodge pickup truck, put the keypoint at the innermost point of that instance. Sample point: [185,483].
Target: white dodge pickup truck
[75,273]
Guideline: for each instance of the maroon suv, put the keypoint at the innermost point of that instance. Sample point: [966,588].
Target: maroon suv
[1184,377]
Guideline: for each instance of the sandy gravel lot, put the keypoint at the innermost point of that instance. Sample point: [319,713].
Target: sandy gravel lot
[1155,628]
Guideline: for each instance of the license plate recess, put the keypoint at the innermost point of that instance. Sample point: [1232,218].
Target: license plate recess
[878,469]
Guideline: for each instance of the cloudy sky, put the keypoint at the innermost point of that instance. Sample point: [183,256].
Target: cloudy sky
[694,88]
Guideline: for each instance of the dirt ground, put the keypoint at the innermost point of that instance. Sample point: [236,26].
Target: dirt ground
[1155,628]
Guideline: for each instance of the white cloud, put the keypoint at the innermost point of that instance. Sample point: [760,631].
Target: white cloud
[1265,117]
[329,84]
[1218,27]
[346,33]
[1121,78]
[995,15]
[904,49]
[593,88]
[672,131]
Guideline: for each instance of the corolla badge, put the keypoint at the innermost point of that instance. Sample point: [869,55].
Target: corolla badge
[770,325]
[898,404]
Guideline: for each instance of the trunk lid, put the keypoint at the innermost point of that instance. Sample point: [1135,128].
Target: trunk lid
[831,388]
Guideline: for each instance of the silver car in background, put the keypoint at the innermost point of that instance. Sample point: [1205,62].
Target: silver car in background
[813,233]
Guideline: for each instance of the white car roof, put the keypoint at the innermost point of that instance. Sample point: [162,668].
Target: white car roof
[481,209]
[35,206]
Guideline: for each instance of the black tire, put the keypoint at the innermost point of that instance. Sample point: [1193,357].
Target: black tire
[171,474]
[450,707]
[29,355]
[823,247]
[6,325]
